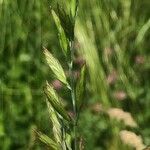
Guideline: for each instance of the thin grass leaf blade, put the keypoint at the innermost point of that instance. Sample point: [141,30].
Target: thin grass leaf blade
[145,28]
[74,5]
[80,87]
[68,141]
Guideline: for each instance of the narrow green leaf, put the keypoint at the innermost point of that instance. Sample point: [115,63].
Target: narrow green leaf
[46,140]
[80,87]
[68,141]
[55,67]
[62,37]
[145,28]
[55,101]
[74,5]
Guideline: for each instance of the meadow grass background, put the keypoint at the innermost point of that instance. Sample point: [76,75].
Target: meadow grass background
[113,37]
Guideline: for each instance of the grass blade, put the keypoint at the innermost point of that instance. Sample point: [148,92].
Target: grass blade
[80,87]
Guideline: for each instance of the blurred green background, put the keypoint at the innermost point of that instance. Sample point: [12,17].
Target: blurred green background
[113,37]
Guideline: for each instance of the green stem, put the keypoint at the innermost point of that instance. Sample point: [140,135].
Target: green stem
[73,97]
[73,92]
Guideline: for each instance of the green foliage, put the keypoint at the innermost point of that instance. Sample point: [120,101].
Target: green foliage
[55,101]
[80,87]
[56,124]
[67,22]
[74,8]
[142,32]
[62,37]
[113,38]
[45,139]
[55,67]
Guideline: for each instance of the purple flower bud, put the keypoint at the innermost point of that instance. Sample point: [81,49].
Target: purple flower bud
[57,84]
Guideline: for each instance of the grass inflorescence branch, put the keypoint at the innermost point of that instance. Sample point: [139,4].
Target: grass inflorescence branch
[64,126]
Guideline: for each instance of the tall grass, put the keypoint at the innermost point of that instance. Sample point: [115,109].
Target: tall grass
[108,34]
[113,38]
